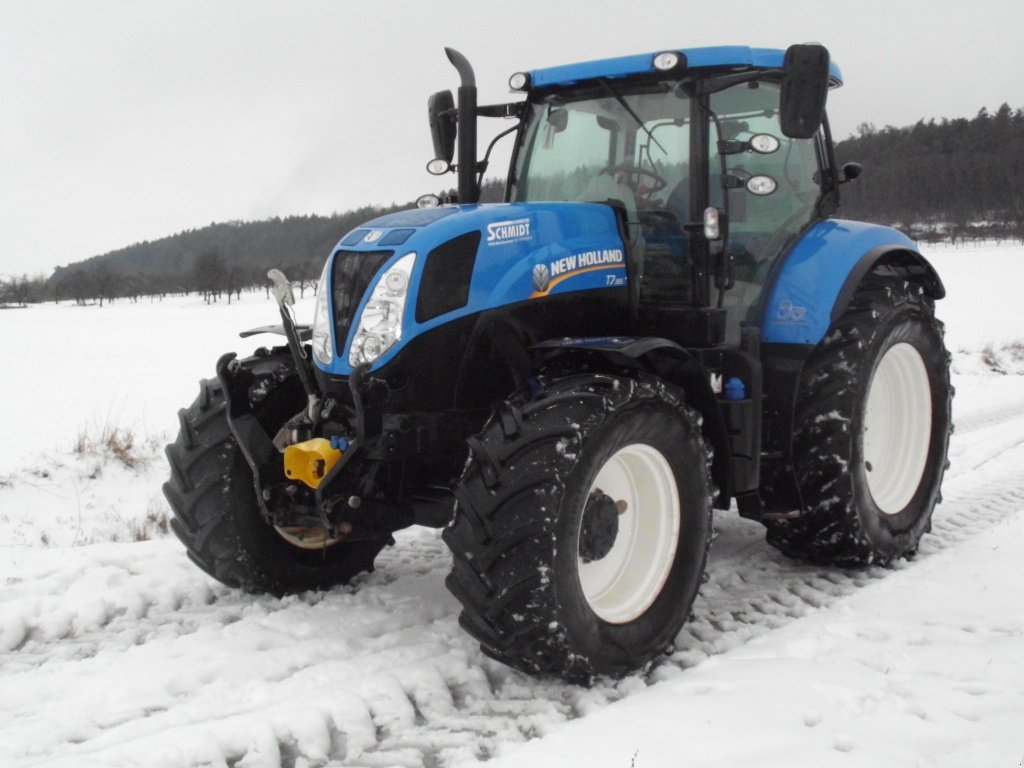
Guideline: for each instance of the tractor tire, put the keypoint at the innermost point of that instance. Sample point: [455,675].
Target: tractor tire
[872,431]
[582,526]
[218,519]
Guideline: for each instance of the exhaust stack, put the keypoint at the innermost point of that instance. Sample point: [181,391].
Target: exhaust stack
[469,191]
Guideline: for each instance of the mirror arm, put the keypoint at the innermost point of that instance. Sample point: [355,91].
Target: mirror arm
[512,109]
[482,165]
[829,201]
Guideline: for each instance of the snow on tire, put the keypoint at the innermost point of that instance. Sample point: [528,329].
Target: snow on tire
[217,517]
[873,423]
[582,526]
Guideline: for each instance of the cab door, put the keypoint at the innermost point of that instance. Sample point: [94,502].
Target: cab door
[770,185]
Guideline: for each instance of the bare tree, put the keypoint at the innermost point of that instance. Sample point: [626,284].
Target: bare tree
[209,274]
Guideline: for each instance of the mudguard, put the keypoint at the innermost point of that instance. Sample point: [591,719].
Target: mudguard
[824,268]
[812,289]
[672,363]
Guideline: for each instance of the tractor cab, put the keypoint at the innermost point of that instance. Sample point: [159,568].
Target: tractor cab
[663,150]
[714,159]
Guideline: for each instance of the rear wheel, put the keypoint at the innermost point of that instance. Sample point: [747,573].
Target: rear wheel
[582,527]
[217,517]
[873,427]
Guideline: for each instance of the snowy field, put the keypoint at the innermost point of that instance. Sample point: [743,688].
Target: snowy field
[115,650]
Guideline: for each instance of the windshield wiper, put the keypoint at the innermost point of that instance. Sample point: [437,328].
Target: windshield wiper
[629,109]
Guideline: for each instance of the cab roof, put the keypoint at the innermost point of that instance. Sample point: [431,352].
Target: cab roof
[728,56]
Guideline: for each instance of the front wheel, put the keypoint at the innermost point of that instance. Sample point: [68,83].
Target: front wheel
[217,516]
[582,527]
[873,426]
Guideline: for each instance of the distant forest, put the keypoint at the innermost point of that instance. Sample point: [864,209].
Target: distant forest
[949,179]
[959,179]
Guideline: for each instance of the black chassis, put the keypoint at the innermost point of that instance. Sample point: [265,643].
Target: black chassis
[406,425]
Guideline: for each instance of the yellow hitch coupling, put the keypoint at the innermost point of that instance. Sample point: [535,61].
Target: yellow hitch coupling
[310,461]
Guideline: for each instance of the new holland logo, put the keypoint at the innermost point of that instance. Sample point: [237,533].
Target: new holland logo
[373,236]
[502,232]
[541,278]
[547,276]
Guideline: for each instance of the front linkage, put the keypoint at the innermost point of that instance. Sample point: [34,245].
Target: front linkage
[317,473]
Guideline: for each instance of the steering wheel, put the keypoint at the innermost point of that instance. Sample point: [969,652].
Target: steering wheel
[658,181]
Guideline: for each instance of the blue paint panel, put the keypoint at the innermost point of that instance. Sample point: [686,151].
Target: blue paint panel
[569,73]
[396,237]
[415,217]
[353,237]
[571,247]
[696,58]
[800,308]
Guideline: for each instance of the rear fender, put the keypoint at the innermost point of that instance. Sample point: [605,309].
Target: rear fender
[821,273]
[908,263]
[812,290]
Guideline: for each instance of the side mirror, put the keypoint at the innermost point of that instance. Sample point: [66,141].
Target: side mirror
[442,115]
[804,90]
[850,172]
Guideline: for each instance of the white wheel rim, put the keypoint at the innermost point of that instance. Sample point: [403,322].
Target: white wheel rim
[624,583]
[897,428]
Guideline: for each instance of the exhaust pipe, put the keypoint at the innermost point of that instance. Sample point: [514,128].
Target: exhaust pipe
[469,191]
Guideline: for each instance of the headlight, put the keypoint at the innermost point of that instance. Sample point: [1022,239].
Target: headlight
[380,324]
[322,346]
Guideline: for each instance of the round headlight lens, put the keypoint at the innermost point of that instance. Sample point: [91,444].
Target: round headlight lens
[396,282]
[371,347]
[666,60]
[761,185]
[519,81]
[438,166]
[764,143]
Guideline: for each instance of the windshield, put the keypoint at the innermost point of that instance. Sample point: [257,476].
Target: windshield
[598,144]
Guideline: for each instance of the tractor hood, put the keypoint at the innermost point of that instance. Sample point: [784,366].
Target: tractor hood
[460,260]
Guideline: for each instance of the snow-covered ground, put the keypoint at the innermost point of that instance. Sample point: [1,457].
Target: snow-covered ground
[115,650]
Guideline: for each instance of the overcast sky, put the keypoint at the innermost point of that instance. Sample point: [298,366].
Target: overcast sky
[130,120]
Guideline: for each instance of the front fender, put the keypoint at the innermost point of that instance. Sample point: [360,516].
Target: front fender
[672,363]
[824,268]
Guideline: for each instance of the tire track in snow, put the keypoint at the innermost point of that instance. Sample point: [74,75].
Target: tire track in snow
[981,418]
[377,673]
[752,589]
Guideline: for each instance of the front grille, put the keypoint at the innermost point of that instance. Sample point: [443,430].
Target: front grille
[353,272]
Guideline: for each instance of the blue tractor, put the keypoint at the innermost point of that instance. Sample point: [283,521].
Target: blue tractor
[664,317]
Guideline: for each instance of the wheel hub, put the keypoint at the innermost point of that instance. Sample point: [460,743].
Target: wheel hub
[600,526]
[629,531]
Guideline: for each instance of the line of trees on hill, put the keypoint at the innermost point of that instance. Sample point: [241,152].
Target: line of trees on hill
[218,262]
[959,179]
[955,179]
